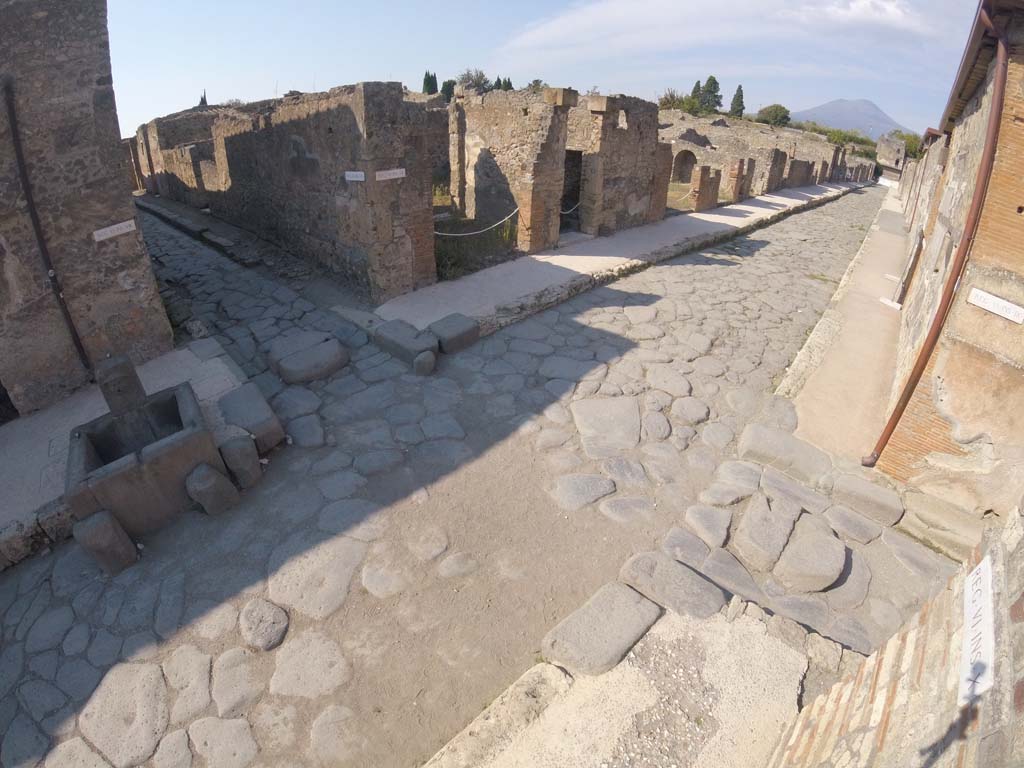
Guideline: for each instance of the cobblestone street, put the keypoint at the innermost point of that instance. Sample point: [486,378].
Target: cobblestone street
[423,534]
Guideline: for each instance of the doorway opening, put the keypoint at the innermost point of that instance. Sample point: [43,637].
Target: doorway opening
[570,210]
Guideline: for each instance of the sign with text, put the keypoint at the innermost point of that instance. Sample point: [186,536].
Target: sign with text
[355,176]
[996,305]
[977,657]
[114,230]
[394,173]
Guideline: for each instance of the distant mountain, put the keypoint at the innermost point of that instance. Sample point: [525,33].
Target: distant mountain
[852,115]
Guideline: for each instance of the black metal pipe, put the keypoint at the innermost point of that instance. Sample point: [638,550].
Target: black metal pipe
[33,214]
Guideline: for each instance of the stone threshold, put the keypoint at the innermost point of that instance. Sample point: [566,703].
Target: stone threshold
[506,293]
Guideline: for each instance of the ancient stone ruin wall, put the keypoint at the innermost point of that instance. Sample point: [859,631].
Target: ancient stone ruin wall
[67,120]
[508,151]
[706,184]
[167,166]
[891,153]
[436,143]
[618,136]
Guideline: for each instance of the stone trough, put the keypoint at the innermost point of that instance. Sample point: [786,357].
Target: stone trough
[128,471]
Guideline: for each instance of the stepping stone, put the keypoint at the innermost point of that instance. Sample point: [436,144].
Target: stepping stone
[306,356]
[294,402]
[246,407]
[667,379]
[726,571]
[673,585]
[262,624]
[455,332]
[779,449]
[690,410]
[763,532]
[404,341]
[710,523]
[778,486]
[607,426]
[627,510]
[573,492]
[127,715]
[685,547]
[852,526]
[308,666]
[851,588]
[599,634]
[811,563]
[223,743]
[882,505]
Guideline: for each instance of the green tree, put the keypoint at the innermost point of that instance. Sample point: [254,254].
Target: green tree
[497,84]
[448,90]
[737,106]
[912,140]
[673,99]
[774,114]
[507,85]
[695,93]
[711,95]
[202,101]
[429,82]
[475,79]
[536,85]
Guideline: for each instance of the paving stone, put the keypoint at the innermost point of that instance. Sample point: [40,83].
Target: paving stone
[309,665]
[779,449]
[237,682]
[262,624]
[274,724]
[172,604]
[77,678]
[710,523]
[850,632]
[104,649]
[173,751]
[211,490]
[573,492]
[726,571]
[948,528]
[73,570]
[668,379]
[306,431]
[440,426]
[625,472]
[23,744]
[569,370]
[187,670]
[917,558]
[744,475]
[763,531]
[690,410]
[340,484]
[336,460]
[335,737]
[404,341]
[49,629]
[607,426]
[457,564]
[778,486]
[382,577]
[811,563]
[75,641]
[597,636]
[210,620]
[851,588]
[354,518]
[295,401]
[127,715]
[376,462]
[717,435]
[102,536]
[685,547]
[428,543]
[317,362]
[223,743]
[656,426]
[709,366]
[809,610]
[424,363]
[627,510]
[74,754]
[246,407]
[455,332]
[44,664]
[40,698]
[311,575]
[882,505]
[551,438]
[852,526]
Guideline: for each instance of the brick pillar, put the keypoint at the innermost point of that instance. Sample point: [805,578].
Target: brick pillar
[662,176]
[734,190]
[704,187]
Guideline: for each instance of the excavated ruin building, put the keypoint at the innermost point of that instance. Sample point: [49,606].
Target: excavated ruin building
[76,285]
[892,155]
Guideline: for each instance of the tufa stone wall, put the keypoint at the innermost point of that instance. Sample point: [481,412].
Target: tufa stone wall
[891,153]
[508,151]
[622,162]
[78,173]
[705,185]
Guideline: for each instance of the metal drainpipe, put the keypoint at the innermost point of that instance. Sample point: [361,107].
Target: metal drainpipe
[966,242]
[33,213]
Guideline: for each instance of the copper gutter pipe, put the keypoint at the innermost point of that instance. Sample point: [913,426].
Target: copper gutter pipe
[970,231]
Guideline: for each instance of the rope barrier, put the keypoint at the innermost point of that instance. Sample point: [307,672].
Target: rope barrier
[566,213]
[479,232]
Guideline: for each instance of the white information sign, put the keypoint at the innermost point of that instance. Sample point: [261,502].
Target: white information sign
[355,176]
[996,305]
[114,230]
[977,659]
[394,173]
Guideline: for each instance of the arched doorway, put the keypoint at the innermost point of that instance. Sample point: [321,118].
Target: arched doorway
[682,167]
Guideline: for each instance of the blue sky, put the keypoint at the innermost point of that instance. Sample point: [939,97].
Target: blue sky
[902,54]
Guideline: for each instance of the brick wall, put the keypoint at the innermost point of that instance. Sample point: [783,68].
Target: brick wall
[900,706]
[705,186]
[78,173]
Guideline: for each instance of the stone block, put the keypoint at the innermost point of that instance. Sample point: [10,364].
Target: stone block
[728,572]
[710,523]
[779,449]
[120,385]
[211,490]
[685,547]
[246,407]
[307,431]
[403,341]
[317,362]
[763,531]
[455,332]
[811,563]
[561,97]
[103,537]
[597,636]
[881,504]
[778,486]
[852,526]
[669,583]
[242,460]
[424,362]
[953,531]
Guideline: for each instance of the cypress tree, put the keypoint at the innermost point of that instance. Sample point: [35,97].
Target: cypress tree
[737,107]
[696,90]
[711,95]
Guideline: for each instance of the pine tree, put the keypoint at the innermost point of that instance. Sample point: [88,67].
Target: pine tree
[507,85]
[429,82]
[202,101]
[696,90]
[737,107]
[711,95]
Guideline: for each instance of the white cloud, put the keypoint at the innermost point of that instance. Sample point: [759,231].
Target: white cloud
[882,13]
